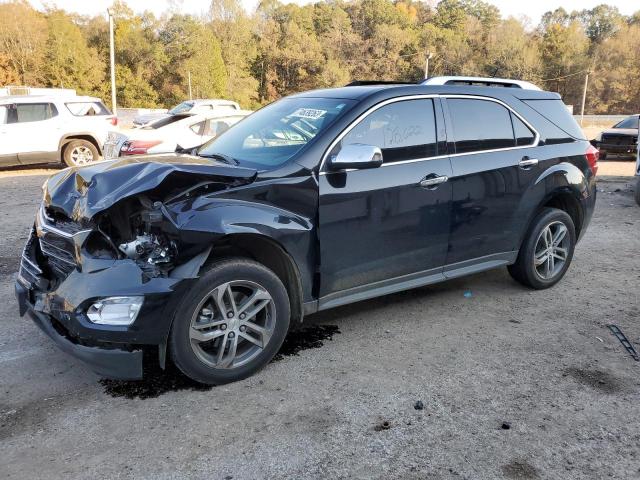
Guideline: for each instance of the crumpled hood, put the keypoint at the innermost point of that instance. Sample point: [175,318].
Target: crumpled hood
[81,192]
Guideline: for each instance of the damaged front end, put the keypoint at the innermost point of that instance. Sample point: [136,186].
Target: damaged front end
[105,243]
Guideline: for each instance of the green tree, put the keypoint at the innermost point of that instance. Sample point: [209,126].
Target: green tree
[234,30]
[23,37]
[69,61]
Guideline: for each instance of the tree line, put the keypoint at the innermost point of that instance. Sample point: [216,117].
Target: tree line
[255,58]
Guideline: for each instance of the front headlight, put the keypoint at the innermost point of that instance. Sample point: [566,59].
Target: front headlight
[115,310]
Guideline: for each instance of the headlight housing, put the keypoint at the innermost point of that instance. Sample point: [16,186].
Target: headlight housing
[115,310]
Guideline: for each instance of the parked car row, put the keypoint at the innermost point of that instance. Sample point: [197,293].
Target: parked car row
[79,130]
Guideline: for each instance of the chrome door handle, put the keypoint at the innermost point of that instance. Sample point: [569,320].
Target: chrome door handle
[527,163]
[433,181]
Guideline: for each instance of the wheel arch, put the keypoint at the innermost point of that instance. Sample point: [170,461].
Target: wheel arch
[70,137]
[563,186]
[271,254]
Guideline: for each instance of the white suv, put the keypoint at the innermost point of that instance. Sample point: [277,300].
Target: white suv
[52,128]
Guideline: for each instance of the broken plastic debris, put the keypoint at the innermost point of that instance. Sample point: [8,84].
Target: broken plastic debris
[468,294]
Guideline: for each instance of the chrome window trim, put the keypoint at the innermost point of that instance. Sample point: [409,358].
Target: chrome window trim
[361,117]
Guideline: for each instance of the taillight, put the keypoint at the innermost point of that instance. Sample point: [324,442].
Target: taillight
[592,154]
[113,121]
[138,147]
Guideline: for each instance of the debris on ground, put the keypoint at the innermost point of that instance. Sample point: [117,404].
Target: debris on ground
[468,294]
[418,405]
[505,426]
[384,425]
[624,341]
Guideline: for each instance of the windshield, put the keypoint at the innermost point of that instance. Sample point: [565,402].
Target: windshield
[274,134]
[631,122]
[181,108]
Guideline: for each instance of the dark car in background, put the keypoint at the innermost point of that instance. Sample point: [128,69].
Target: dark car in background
[321,199]
[621,139]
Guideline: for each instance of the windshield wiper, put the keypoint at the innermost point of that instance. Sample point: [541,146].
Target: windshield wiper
[220,156]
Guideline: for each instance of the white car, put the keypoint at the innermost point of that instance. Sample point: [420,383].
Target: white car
[167,134]
[188,106]
[52,128]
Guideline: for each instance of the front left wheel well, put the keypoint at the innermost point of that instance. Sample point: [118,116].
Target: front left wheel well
[270,254]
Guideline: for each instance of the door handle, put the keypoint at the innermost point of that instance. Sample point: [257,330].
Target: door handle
[526,163]
[433,182]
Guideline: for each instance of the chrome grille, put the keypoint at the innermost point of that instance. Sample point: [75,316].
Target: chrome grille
[30,273]
[60,253]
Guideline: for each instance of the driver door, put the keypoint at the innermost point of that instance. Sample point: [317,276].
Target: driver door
[386,229]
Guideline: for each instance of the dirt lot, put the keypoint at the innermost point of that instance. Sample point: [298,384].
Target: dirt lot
[515,384]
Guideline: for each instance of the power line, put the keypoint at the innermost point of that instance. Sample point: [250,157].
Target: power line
[565,76]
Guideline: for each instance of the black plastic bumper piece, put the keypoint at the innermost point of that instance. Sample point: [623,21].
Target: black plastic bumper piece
[111,363]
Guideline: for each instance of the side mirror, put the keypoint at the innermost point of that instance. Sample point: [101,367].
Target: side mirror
[356,155]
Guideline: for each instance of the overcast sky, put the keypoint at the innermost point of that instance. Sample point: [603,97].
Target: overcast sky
[533,8]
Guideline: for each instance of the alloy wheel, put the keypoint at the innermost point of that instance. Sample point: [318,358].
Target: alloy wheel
[81,155]
[232,324]
[552,250]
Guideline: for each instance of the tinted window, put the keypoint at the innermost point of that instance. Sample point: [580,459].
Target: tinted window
[480,125]
[557,113]
[631,122]
[215,128]
[524,135]
[30,112]
[274,134]
[82,109]
[403,130]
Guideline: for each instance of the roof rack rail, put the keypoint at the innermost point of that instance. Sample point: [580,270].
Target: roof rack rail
[358,83]
[481,82]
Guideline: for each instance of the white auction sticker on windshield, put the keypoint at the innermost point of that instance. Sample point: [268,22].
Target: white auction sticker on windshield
[310,113]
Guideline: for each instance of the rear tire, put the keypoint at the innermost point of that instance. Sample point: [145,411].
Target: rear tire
[78,153]
[602,156]
[547,250]
[216,337]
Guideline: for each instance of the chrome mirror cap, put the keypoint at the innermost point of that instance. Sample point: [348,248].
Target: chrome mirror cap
[356,155]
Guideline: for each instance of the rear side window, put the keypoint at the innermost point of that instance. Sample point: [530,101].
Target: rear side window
[404,130]
[557,113]
[31,112]
[480,125]
[87,109]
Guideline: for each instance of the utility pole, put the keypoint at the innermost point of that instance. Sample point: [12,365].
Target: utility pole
[112,61]
[190,96]
[584,97]
[426,66]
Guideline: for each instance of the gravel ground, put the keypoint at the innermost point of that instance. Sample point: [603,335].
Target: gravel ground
[514,383]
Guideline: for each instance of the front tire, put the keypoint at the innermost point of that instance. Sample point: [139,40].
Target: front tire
[231,324]
[547,250]
[78,153]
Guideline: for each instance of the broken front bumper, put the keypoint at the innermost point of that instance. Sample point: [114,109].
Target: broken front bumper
[109,362]
[59,309]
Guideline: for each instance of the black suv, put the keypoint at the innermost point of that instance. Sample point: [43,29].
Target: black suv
[318,200]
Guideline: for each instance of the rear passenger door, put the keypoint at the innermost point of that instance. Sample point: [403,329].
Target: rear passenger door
[493,166]
[37,132]
[383,226]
